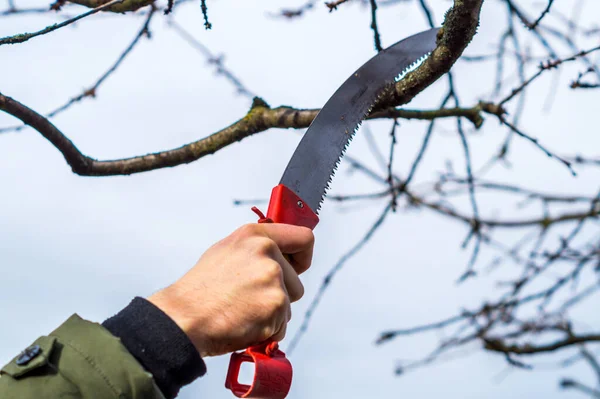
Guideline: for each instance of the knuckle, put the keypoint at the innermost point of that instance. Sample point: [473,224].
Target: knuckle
[280,335]
[265,246]
[278,301]
[270,273]
[249,230]
[267,332]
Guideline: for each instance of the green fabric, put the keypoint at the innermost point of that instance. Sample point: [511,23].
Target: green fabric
[79,360]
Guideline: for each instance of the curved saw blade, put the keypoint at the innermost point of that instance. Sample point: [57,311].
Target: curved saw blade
[315,160]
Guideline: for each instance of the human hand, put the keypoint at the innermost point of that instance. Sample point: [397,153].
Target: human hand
[239,293]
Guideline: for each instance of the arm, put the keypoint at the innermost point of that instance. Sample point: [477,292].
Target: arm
[238,294]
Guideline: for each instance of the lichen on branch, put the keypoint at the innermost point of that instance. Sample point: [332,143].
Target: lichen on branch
[124,6]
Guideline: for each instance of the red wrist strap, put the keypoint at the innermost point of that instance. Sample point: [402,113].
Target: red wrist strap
[272,372]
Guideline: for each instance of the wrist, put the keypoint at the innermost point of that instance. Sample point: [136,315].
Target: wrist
[174,305]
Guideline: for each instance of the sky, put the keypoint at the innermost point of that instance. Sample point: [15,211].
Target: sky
[71,244]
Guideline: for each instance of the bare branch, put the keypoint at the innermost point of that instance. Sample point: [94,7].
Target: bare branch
[119,7]
[333,5]
[328,278]
[261,117]
[427,12]
[21,11]
[207,25]
[530,349]
[211,58]
[23,37]
[389,335]
[473,114]
[537,144]
[390,178]
[568,383]
[542,15]
[92,91]
[544,67]
[376,34]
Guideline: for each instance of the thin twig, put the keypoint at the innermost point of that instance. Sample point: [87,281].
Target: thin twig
[542,15]
[390,177]
[544,67]
[531,349]
[372,144]
[329,277]
[212,59]
[23,37]
[428,13]
[207,25]
[333,5]
[92,91]
[21,11]
[376,34]
[568,383]
[538,145]
[424,145]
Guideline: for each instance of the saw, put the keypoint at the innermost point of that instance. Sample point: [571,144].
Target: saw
[298,196]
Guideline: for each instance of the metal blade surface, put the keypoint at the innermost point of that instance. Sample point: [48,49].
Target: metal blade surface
[315,160]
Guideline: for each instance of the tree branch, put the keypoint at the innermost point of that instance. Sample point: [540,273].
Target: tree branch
[331,274]
[23,37]
[121,7]
[376,34]
[458,31]
[529,349]
[93,90]
[473,114]
[517,223]
[542,15]
[568,383]
[259,119]
[333,5]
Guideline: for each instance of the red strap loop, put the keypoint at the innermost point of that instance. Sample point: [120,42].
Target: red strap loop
[272,373]
[262,217]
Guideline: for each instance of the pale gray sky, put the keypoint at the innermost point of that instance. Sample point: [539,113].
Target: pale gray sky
[88,245]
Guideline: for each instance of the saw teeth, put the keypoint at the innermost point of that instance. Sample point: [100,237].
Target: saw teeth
[368,103]
[347,144]
[378,96]
[411,67]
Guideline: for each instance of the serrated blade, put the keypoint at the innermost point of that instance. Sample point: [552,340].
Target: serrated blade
[315,160]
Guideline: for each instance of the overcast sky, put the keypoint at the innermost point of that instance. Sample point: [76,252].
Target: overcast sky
[88,245]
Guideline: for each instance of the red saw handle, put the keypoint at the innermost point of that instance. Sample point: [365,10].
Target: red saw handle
[272,370]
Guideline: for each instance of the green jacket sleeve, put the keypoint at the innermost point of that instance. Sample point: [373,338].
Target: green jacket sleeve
[79,359]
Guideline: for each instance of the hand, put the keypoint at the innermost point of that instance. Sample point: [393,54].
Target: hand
[239,293]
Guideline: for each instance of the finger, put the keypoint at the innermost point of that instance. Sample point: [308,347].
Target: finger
[293,285]
[297,241]
[280,334]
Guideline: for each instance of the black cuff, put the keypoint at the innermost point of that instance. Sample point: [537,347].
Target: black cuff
[158,344]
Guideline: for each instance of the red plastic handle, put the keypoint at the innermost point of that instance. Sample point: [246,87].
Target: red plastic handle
[272,370]
[286,207]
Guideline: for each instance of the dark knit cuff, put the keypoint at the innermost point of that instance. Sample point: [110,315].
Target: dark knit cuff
[158,343]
